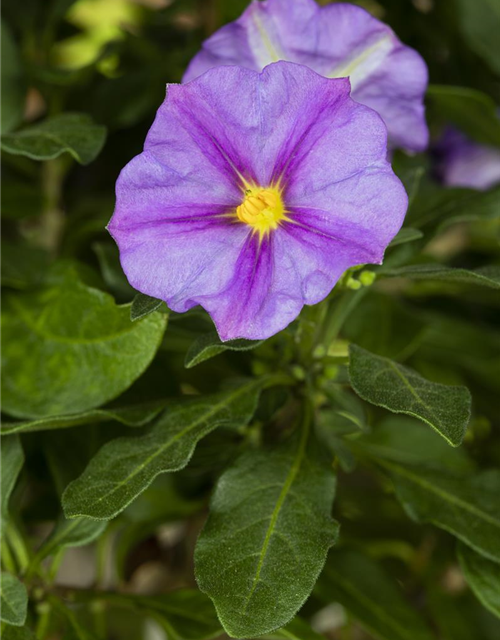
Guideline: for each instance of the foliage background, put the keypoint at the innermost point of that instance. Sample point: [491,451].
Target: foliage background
[418,554]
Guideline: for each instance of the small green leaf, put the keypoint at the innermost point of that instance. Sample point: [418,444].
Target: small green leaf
[130,416]
[484,276]
[112,273]
[73,133]
[483,576]
[68,348]
[209,345]
[125,467]
[406,234]
[267,536]
[13,599]
[17,633]
[70,533]
[12,460]
[472,111]
[467,507]
[143,305]
[399,389]
[362,586]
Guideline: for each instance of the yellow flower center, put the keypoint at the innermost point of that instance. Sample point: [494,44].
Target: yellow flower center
[263,209]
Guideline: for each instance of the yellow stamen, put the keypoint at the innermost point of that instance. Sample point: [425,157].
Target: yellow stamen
[263,209]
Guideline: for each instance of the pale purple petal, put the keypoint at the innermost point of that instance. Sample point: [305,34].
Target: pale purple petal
[175,220]
[465,163]
[336,40]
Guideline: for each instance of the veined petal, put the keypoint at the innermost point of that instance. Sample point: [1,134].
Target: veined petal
[336,40]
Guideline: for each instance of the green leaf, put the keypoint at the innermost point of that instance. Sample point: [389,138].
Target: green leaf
[480,22]
[125,467]
[143,305]
[12,460]
[73,133]
[68,348]
[209,345]
[13,599]
[109,262]
[472,111]
[267,536]
[407,441]
[70,533]
[130,416]
[22,265]
[364,588]
[13,84]
[468,507]
[484,276]
[406,234]
[399,389]
[483,576]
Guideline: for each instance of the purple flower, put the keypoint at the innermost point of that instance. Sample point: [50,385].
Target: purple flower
[254,193]
[336,40]
[465,163]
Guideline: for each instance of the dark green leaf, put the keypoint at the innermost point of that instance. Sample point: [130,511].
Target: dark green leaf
[483,576]
[401,390]
[143,305]
[480,22]
[13,84]
[125,467]
[406,234]
[73,133]
[13,599]
[109,262]
[209,345]
[470,110]
[484,276]
[68,348]
[130,416]
[17,633]
[468,507]
[12,459]
[267,536]
[362,586]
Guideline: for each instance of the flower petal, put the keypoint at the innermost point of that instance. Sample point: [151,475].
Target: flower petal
[336,40]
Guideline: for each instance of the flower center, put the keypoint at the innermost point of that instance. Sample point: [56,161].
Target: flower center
[263,209]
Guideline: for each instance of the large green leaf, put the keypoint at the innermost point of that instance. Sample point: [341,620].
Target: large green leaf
[363,587]
[73,133]
[267,536]
[68,348]
[480,21]
[12,459]
[13,84]
[209,345]
[474,112]
[125,467]
[483,576]
[13,600]
[399,389]
[468,507]
[484,276]
[131,416]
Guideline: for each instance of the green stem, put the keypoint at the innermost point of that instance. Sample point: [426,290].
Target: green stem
[339,312]
[8,561]
[18,546]
[52,222]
